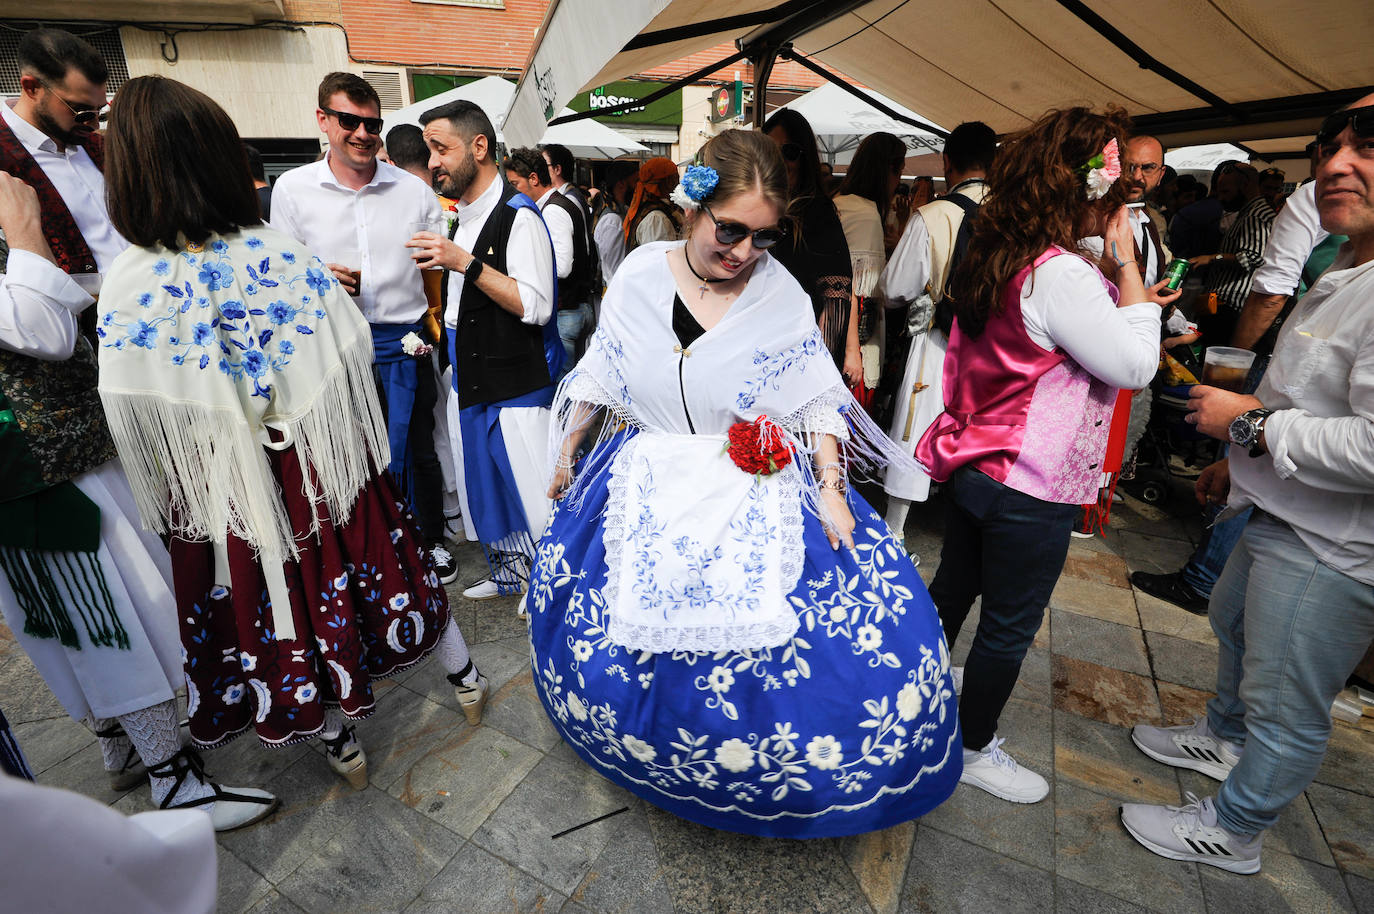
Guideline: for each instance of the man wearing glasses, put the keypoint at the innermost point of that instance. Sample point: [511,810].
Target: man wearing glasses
[1293,611]
[356,213]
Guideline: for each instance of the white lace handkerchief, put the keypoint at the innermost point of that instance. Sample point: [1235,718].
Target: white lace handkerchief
[700,555]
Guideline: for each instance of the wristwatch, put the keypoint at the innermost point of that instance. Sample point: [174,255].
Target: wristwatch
[473,270]
[1246,429]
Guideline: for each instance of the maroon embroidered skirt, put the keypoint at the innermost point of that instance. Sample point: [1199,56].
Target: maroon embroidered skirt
[365,600]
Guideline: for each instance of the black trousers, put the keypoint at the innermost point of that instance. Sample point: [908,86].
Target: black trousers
[1010,548]
[426,481]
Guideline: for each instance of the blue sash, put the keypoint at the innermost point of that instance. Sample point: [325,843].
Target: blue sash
[400,375]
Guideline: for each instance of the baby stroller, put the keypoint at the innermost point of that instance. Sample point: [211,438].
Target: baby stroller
[1170,446]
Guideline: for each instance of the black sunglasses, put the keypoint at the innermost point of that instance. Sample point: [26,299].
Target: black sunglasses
[1360,121]
[732,233]
[88,117]
[791,151]
[350,122]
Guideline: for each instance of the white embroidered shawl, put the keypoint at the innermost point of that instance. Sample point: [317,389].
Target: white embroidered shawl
[863,232]
[202,351]
[765,357]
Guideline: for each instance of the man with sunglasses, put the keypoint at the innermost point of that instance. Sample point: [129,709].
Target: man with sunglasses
[351,202]
[1293,611]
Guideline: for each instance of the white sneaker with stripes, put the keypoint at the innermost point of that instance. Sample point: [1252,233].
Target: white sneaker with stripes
[1190,832]
[1189,746]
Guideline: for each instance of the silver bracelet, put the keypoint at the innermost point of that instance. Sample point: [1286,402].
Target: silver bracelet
[838,485]
[563,462]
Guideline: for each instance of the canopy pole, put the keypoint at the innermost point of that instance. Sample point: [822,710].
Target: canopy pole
[762,56]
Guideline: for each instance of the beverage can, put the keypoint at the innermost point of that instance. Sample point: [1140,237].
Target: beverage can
[1177,272]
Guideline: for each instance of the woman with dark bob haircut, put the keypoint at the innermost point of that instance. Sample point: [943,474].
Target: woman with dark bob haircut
[1044,337]
[237,378]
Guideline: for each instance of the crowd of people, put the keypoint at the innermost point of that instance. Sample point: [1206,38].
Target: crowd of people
[241,427]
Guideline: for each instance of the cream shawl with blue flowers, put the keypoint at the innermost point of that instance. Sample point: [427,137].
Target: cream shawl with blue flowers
[202,351]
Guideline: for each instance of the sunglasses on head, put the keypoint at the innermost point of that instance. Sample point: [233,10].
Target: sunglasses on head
[87,117]
[732,233]
[1359,120]
[791,151]
[350,122]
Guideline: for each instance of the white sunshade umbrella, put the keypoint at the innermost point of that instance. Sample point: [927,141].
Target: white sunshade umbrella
[841,121]
[586,139]
[1199,161]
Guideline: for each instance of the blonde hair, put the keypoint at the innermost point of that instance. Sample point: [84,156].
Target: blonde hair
[746,161]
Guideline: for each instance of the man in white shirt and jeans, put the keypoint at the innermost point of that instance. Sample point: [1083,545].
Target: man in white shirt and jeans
[349,206]
[1294,609]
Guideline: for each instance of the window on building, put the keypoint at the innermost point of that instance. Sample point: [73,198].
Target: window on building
[104,38]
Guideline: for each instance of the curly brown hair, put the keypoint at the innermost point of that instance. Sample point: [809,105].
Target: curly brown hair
[1037,197]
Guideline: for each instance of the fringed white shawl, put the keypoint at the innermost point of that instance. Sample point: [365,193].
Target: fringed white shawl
[863,232]
[765,358]
[201,352]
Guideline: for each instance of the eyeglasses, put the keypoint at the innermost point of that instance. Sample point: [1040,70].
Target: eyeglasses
[1360,121]
[1145,168]
[350,122]
[732,233]
[791,151]
[88,117]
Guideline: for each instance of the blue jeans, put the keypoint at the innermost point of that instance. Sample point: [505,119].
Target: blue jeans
[572,323]
[1010,548]
[1291,631]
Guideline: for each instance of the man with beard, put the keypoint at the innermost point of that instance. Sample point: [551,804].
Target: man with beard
[1230,270]
[505,349]
[350,206]
[109,649]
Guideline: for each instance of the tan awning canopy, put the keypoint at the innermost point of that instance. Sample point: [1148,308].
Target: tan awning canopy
[1236,70]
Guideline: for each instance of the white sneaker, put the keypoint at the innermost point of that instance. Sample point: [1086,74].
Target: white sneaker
[957,674]
[996,772]
[1189,746]
[1190,832]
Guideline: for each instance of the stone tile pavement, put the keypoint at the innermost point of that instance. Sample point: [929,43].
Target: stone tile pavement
[462,819]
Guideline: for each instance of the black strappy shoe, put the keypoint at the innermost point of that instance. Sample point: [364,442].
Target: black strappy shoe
[234,807]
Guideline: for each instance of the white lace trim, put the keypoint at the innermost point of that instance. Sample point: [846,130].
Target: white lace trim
[669,637]
[821,415]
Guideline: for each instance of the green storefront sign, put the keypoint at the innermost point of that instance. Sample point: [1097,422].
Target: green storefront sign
[666,111]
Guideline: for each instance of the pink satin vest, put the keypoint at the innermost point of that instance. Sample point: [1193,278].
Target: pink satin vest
[1033,420]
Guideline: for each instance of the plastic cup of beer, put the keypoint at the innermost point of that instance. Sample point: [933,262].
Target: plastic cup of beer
[351,259]
[1227,368]
[433,276]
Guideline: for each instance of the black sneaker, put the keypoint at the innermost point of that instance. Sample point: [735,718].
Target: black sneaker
[1171,588]
[445,565]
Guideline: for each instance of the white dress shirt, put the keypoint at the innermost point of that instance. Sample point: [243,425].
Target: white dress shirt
[908,269]
[38,307]
[310,205]
[610,243]
[529,256]
[1318,474]
[1151,270]
[78,182]
[1064,305]
[1297,230]
[561,231]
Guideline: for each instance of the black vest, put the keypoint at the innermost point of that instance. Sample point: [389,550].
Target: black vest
[498,356]
[577,286]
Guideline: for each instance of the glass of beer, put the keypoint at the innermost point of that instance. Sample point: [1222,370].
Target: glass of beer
[433,276]
[351,259]
[1227,368]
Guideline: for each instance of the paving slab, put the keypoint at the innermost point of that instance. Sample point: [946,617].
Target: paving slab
[554,796]
[714,872]
[1349,762]
[1156,615]
[46,743]
[627,877]
[1349,829]
[1093,598]
[950,875]
[1155,554]
[1102,693]
[275,902]
[1361,892]
[240,886]
[1284,883]
[1085,637]
[879,861]
[1073,898]
[1179,704]
[1100,567]
[1183,661]
[1102,758]
[1095,850]
[405,729]
[84,772]
[476,881]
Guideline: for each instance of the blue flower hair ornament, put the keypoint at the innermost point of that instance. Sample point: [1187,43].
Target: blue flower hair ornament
[696,187]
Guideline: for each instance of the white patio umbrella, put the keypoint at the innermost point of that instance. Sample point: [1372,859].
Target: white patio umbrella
[586,139]
[1199,161]
[841,121]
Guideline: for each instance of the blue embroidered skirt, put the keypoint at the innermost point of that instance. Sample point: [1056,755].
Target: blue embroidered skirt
[852,726]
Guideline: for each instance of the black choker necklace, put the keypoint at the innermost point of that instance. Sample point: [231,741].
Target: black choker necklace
[705,280]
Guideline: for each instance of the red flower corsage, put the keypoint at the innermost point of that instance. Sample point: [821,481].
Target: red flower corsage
[758,447]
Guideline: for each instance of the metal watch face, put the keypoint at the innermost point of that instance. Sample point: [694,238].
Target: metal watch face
[1242,430]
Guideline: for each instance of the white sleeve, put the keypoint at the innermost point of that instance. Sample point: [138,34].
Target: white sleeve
[610,243]
[655,227]
[1065,305]
[908,271]
[529,260]
[38,308]
[284,213]
[561,230]
[1297,230]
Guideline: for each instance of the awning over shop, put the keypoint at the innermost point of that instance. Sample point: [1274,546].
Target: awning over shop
[1228,70]
[585,139]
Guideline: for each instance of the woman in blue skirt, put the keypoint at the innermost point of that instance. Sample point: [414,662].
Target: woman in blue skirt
[719,624]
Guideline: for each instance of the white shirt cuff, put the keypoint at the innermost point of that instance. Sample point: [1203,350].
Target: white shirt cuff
[31,271]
